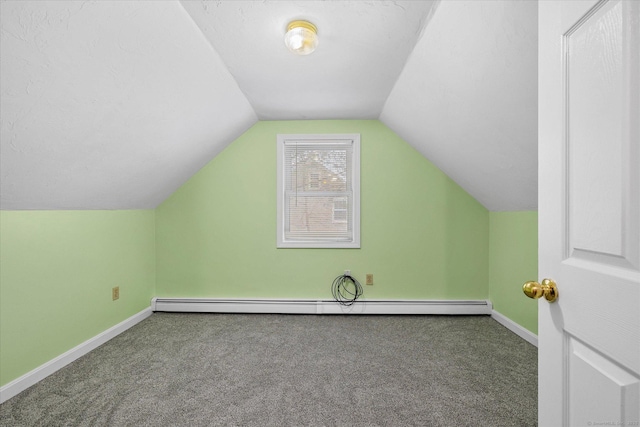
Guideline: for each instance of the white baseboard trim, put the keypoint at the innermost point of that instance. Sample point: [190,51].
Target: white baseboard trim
[515,328]
[30,378]
[283,306]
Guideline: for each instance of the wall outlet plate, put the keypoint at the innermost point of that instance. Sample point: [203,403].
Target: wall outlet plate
[369,279]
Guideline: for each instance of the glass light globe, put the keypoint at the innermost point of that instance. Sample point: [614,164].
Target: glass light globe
[301,37]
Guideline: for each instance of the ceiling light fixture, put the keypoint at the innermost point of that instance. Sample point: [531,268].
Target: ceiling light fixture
[301,37]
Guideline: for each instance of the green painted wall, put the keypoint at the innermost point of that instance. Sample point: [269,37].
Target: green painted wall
[513,260]
[422,235]
[57,271]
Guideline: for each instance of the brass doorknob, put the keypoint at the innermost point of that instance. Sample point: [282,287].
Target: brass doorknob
[547,288]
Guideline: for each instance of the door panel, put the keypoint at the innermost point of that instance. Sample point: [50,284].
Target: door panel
[599,390]
[589,212]
[597,99]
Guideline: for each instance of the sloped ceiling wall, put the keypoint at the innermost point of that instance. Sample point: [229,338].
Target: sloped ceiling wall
[115,104]
[467,99]
[109,104]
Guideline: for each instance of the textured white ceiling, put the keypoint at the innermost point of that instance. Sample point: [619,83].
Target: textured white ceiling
[467,99]
[115,104]
[109,104]
[362,49]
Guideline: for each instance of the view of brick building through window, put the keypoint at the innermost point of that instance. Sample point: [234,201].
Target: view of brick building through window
[318,192]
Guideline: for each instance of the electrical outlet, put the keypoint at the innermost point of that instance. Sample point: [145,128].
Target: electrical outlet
[369,279]
[115,293]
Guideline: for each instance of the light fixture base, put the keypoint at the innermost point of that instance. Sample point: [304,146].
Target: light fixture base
[302,24]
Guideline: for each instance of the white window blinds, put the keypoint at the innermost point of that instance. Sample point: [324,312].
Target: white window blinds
[318,190]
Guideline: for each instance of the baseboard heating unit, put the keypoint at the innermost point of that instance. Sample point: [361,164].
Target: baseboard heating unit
[285,306]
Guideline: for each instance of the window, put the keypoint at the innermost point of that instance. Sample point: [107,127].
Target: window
[318,191]
[314,180]
[340,209]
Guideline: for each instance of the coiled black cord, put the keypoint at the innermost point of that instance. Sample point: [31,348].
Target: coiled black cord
[346,290]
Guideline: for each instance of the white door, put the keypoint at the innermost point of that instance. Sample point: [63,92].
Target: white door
[589,212]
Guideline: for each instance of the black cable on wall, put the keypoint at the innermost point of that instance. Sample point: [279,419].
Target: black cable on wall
[346,289]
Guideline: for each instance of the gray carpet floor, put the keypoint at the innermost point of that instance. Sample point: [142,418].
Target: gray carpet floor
[292,370]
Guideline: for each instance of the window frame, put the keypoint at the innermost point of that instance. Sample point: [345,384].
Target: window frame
[281,241]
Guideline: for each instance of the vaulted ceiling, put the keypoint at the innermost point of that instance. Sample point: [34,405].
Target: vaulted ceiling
[115,104]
